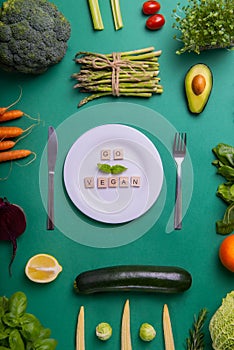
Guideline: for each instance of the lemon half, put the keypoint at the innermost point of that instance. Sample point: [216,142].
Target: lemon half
[42,268]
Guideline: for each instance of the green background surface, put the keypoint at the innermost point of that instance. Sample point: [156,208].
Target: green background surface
[195,247]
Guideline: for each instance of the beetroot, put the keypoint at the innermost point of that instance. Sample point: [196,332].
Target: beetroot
[12,224]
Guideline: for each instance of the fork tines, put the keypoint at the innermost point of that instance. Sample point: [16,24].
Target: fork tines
[180,142]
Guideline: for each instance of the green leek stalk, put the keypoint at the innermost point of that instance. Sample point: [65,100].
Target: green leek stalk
[96,14]
[117,16]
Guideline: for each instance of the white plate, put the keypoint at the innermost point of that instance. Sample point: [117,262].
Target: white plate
[113,205]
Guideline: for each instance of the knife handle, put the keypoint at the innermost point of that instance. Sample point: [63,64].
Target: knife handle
[50,216]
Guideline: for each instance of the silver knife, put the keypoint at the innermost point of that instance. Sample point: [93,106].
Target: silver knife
[51,159]
[167,329]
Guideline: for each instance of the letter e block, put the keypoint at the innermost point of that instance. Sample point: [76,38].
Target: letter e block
[102,182]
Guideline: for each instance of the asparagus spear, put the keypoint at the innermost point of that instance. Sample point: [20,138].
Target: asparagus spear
[129,73]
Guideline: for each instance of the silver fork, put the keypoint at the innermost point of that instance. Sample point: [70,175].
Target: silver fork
[179,151]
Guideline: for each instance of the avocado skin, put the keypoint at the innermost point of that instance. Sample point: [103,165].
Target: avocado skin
[197,103]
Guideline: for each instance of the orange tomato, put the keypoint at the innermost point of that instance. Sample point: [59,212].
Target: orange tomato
[226,252]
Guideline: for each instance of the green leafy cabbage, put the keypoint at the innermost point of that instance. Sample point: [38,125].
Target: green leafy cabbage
[221,326]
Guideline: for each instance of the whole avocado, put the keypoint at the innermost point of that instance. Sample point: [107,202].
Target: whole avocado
[33,36]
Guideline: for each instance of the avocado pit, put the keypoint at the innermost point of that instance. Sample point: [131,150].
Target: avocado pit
[198,84]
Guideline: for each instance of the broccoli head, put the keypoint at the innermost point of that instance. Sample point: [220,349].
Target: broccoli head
[33,36]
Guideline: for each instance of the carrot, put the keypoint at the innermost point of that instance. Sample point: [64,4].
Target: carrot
[14,154]
[12,131]
[14,114]
[4,109]
[10,115]
[6,145]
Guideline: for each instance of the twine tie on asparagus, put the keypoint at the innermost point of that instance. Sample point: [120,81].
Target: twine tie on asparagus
[116,64]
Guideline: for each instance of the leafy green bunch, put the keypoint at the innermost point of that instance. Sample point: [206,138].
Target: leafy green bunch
[20,330]
[224,163]
[204,24]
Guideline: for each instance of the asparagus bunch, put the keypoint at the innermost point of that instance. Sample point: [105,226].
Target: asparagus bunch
[130,73]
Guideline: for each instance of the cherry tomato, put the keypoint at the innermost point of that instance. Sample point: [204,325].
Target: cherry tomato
[155,22]
[150,7]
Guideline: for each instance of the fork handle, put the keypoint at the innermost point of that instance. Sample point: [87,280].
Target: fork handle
[178,201]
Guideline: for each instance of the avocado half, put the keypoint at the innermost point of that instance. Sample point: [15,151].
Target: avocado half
[198,86]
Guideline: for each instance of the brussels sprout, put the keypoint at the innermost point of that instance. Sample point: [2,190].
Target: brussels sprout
[103,331]
[147,332]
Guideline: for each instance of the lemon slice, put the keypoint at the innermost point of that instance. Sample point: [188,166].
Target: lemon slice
[42,268]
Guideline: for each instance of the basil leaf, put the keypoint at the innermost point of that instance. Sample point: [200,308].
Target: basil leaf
[15,340]
[11,320]
[30,326]
[118,169]
[3,306]
[3,335]
[45,344]
[105,168]
[44,333]
[18,303]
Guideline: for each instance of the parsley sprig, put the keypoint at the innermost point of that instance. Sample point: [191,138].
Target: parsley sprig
[204,24]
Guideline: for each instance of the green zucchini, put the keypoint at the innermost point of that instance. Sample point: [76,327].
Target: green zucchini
[142,278]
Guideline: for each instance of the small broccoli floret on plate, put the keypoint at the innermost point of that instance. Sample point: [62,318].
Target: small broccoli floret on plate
[33,36]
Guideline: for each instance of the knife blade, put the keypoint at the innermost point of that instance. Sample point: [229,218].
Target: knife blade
[167,329]
[125,328]
[80,332]
[51,160]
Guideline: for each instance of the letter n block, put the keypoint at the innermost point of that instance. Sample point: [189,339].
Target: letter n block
[135,181]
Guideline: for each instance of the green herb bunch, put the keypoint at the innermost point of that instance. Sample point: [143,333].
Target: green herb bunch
[224,163]
[21,330]
[204,24]
[195,341]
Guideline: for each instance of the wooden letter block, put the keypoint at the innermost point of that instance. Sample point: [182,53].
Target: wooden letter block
[105,154]
[135,181]
[113,181]
[123,181]
[89,182]
[118,154]
[102,182]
